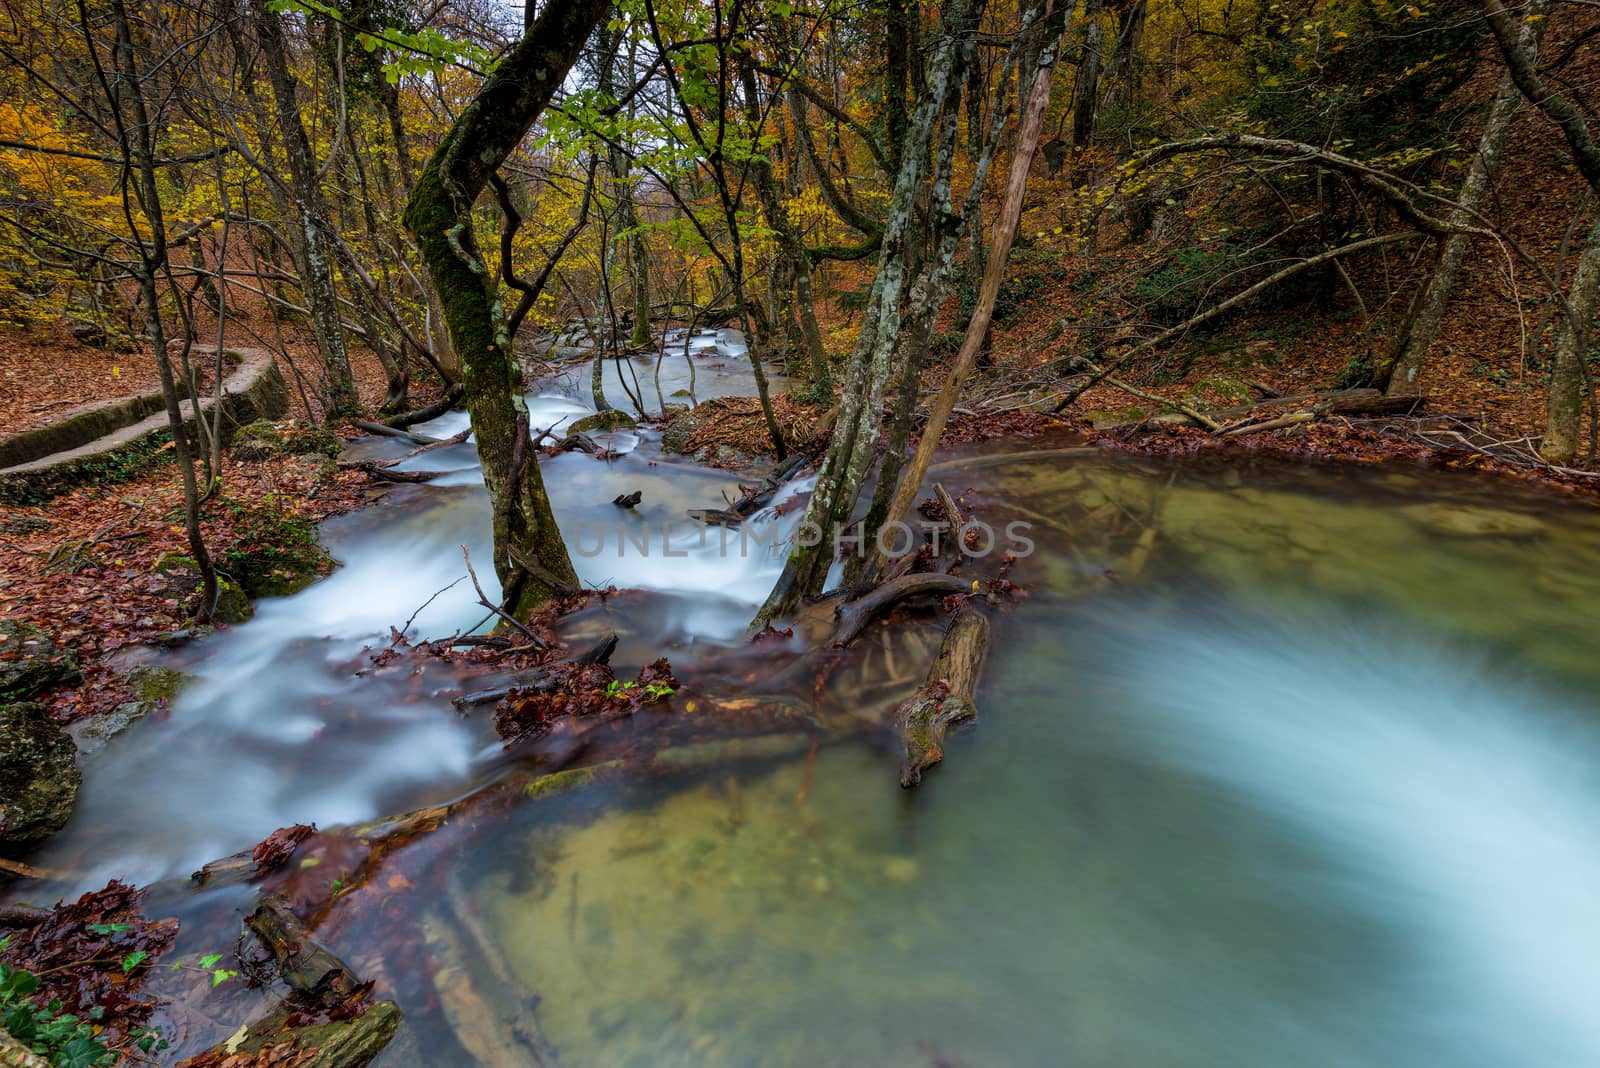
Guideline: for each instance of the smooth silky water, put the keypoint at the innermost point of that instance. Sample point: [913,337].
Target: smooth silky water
[1277,764]
[1319,785]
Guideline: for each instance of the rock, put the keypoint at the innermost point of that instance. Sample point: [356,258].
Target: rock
[87,332]
[153,687]
[233,604]
[39,775]
[264,439]
[31,662]
[675,438]
[337,1044]
[91,733]
[611,419]
[900,869]
[183,582]
[23,525]
[14,1054]
[1465,521]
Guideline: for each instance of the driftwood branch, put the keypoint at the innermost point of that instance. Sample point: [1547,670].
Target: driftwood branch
[391,432]
[947,697]
[499,610]
[854,616]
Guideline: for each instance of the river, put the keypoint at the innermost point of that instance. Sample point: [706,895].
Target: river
[1277,763]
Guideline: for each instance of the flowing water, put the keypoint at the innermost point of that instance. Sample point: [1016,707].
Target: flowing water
[1277,764]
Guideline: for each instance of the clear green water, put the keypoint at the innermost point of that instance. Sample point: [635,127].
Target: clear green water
[1316,783]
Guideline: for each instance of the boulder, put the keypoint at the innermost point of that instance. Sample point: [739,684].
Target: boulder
[39,775]
[610,419]
[264,439]
[31,662]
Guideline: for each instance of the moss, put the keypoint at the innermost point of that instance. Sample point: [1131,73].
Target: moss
[233,604]
[275,551]
[151,682]
[39,775]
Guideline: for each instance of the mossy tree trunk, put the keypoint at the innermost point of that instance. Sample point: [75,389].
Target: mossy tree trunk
[794,248]
[530,557]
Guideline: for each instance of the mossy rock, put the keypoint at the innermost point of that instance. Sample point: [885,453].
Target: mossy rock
[30,662]
[280,576]
[152,682]
[183,582]
[611,419]
[675,438]
[265,439]
[39,775]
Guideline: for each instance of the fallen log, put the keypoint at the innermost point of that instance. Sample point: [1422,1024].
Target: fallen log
[305,966]
[391,432]
[454,439]
[383,474]
[853,616]
[451,398]
[1282,421]
[946,699]
[716,517]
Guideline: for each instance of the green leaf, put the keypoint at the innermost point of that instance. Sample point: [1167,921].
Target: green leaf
[210,960]
[133,960]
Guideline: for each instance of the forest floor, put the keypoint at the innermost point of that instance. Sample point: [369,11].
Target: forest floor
[109,596]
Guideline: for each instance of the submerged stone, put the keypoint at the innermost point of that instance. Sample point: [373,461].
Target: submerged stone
[39,775]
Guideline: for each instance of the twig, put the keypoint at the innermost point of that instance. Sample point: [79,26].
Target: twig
[499,610]
[402,632]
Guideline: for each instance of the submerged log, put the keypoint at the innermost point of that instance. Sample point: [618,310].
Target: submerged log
[947,697]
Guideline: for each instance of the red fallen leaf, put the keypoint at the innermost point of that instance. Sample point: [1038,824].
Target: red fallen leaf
[276,849]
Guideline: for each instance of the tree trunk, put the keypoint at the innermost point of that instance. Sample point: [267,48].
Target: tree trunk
[627,213]
[1123,73]
[1086,97]
[794,247]
[1411,347]
[530,557]
[339,390]
[138,146]
[1568,381]
[859,420]
[1005,232]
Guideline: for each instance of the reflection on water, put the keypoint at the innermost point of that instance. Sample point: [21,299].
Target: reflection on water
[1181,836]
